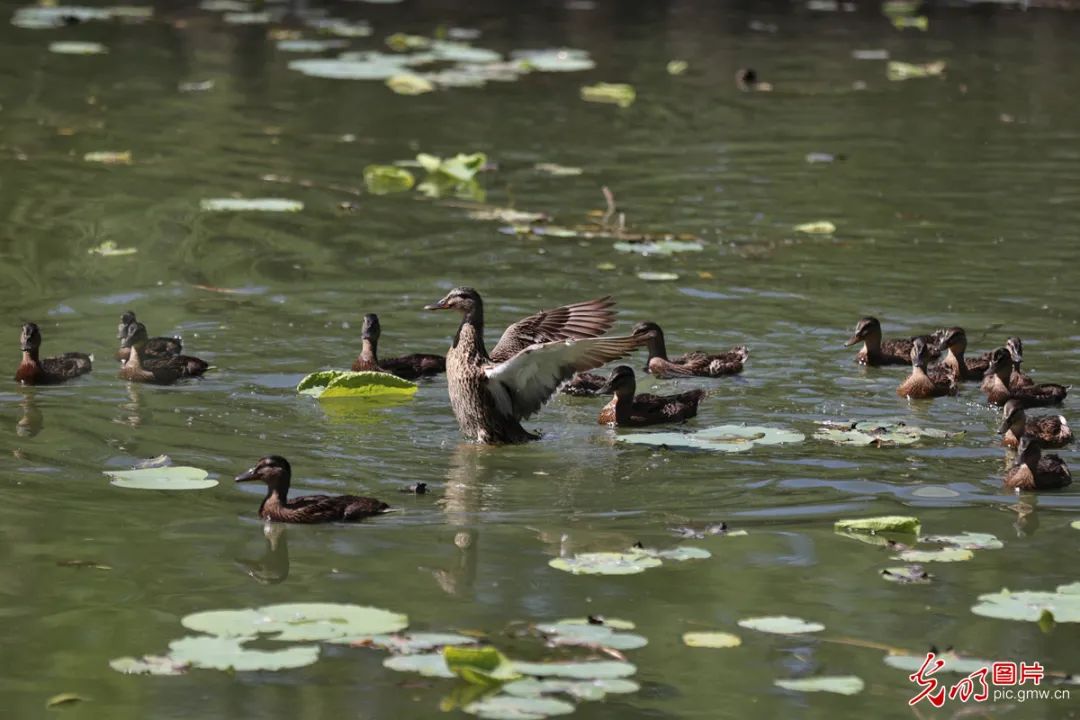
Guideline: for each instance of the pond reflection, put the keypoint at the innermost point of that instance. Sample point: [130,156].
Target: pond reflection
[273,567]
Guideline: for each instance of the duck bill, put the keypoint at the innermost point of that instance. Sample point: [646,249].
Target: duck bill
[441,305]
[606,389]
[1004,426]
[853,340]
[246,476]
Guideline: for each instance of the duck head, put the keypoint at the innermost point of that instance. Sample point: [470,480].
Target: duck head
[273,470]
[1000,363]
[621,382]
[372,330]
[1012,415]
[867,328]
[464,299]
[1016,350]
[30,338]
[134,336]
[1028,452]
[652,336]
[126,319]
[954,339]
[920,353]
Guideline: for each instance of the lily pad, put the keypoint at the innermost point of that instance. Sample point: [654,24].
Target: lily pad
[41,17]
[403,42]
[658,276]
[298,621]
[613,623]
[897,70]
[409,643]
[310,46]
[339,384]
[514,707]
[106,157]
[879,433]
[461,167]
[820,227]
[953,663]
[428,665]
[591,690]
[247,18]
[679,554]
[1075,524]
[341,28]
[162,478]
[904,524]
[555,60]
[711,640]
[907,575]
[251,205]
[352,66]
[840,684]
[463,53]
[943,555]
[619,94]
[221,653]
[584,670]
[479,665]
[967,540]
[409,84]
[386,179]
[587,635]
[606,563]
[781,625]
[659,247]
[109,248]
[149,665]
[1030,605]
[72,47]
[723,438]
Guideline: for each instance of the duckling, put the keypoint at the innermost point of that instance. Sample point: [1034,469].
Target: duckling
[33,370]
[155,347]
[584,384]
[998,391]
[876,352]
[921,385]
[155,370]
[629,410]
[276,472]
[1035,471]
[954,342]
[492,393]
[1052,431]
[1016,350]
[409,367]
[694,363]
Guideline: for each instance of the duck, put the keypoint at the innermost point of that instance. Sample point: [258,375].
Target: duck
[276,472]
[584,384]
[1035,471]
[998,390]
[163,370]
[876,351]
[629,410]
[953,342]
[35,370]
[691,364]
[408,367]
[491,393]
[1052,431]
[1015,346]
[921,385]
[155,346]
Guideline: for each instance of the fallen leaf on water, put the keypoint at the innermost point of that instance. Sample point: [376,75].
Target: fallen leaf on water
[251,204]
[677,67]
[619,94]
[109,249]
[917,22]
[77,48]
[658,276]
[897,70]
[64,699]
[557,170]
[820,227]
[409,84]
[385,179]
[109,158]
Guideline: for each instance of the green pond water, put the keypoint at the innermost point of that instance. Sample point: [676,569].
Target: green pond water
[956,201]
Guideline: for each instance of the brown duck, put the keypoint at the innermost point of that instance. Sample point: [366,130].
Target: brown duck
[876,351]
[1052,431]
[162,370]
[629,410]
[155,346]
[409,367]
[492,393]
[691,364]
[585,384]
[999,391]
[276,472]
[921,385]
[35,370]
[1016,350]
[1035,471]
[954,343]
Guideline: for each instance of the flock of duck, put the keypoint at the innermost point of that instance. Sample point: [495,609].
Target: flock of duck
[491,393]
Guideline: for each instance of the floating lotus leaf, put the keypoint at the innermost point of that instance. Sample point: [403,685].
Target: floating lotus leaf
[334,384]
[1075,524]
[247,18]
[591,690]
[897,70]
[658,276]
[220,653]
[162,478]
[298,621]
[72,47]
[148,665]
[556,60]
[821,227]
[588,635]
[106,157]
[909,574]
[251,205]
[463,52]
[943,555]
[885,523]
[401,42]
[781,625]
[452,77]
[557,170]
[620,94]
[40,17]
[429,665]
[461,167]
[841,684]
[339,27]
[680,553]
[226,623]
[352,66]
[967,540]
[723,438]
[585,670]
[409,84]
[605,563]
[1030,605]
[224,6]
[513,707]
[310,46]
[953,663]
[386,179]
[879,433]
[711,640]
[109,248]
[408,643]
[613,623]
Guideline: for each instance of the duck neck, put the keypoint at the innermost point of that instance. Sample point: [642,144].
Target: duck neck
[624,402]
[276,497]
[368,349]
[134,360]
[1002,375]
[872,344]
[657,348]
[471,331]
[955,358]
[30,357]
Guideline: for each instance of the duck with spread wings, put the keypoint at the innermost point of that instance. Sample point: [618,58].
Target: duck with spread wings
[491,393]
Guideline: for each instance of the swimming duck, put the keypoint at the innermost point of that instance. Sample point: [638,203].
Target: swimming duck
[1052,431]
[998,391]
[1035,471]
[34,370]
[584,384]
[1016,350]
[920,385]
[954,342]
[694,363]
[409,367]
[876,352]
[492,393]
[155,347]
[163,370]
[276,472]
[629,410]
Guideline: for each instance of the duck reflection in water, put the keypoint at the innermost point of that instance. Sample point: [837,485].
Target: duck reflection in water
[273,567]
[31,420]
[466,478]
[131,413]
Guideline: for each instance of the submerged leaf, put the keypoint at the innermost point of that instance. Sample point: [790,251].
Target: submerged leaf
[781,625]
[251,205]
[162,478]
[711,640]
[619,94]
[310,46]
[885,523]
[333,384]
[841,684]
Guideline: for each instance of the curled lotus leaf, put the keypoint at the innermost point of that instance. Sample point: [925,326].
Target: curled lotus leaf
[514,707]
[620,94]
[337,384]
[711,640]
[898,71]
[386,179]
[221,653]
[479,665]
[1030,605]
[781,625]
[840,684]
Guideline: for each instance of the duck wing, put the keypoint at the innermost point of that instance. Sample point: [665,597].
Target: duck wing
[67,365]
[587,319]
[521,385]
[327,508]
[584,384]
